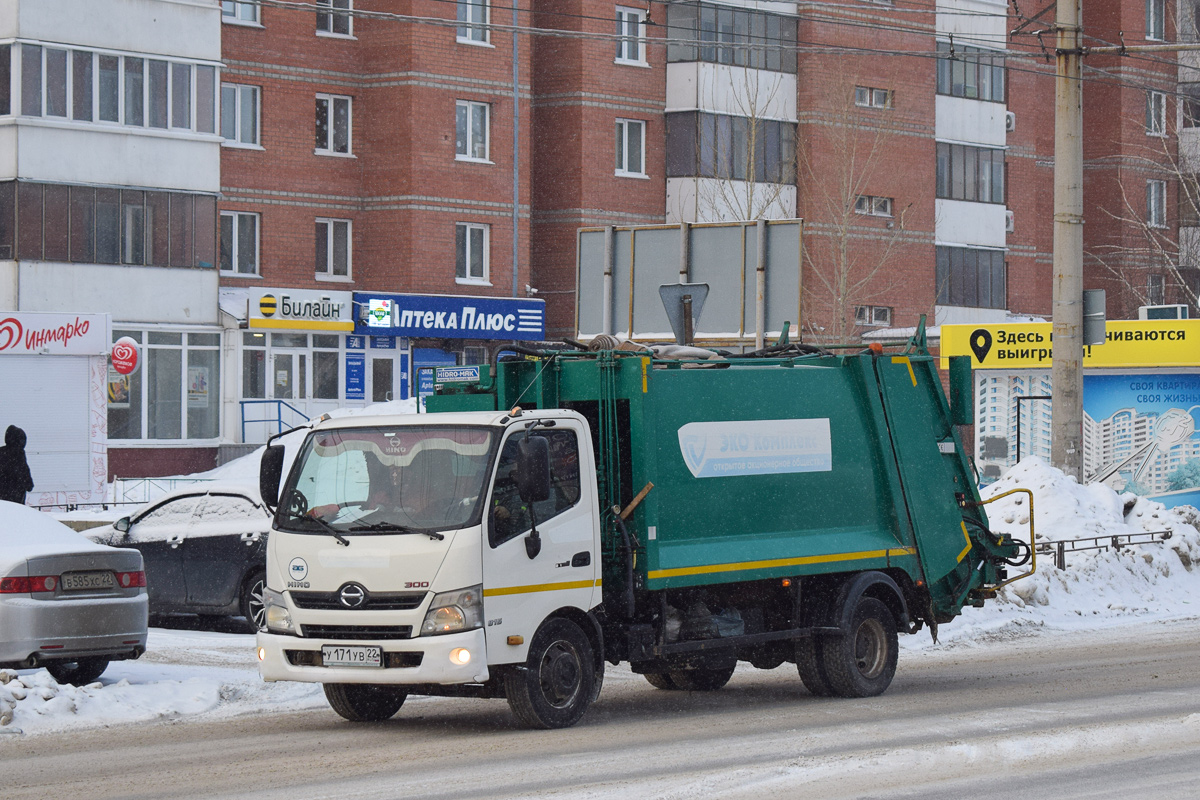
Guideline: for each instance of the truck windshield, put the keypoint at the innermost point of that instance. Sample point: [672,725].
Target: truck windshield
[371,481]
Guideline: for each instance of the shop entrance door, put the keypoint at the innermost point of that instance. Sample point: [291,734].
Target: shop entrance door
[383,376]
[289,372]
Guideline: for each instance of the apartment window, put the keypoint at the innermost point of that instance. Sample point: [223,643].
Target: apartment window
[631,147]
[870,97]
[333,17]
[873,206]
[239,243]
[737,36]
[131,90]
[239,114]
[471,130]
[471,252]
[1154,18]
[631,28]
[239,11]
[5,79]
[1190,95]
[333,124]
[333,248]
[731,148]
[472,21]
[970,72]
[971,276]
[1156,204]
[85,224]
[970,173]
[1156,113]
[872,315]
[1155,290]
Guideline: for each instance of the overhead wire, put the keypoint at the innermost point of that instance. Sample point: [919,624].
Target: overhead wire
[802,47]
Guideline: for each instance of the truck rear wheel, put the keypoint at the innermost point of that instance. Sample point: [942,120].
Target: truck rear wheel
[660,680]
[554,688]
[364,702]
[863,662]
[812,670]
[701,680]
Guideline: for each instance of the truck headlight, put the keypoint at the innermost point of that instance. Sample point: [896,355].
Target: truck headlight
[278,617]
[452,612]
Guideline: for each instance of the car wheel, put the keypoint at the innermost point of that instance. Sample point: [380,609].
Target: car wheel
[863,662]
[364,702]
[79,672]
[252,606]
[660,680]
[554,688]
[701,680]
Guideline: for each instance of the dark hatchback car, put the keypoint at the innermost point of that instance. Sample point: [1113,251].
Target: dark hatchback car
[205,550]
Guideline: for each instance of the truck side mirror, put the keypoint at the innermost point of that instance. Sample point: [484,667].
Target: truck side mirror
[533,469]
[270,470]
[962,391]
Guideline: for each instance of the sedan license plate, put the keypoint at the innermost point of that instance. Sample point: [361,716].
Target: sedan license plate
[353,656]
[82,581]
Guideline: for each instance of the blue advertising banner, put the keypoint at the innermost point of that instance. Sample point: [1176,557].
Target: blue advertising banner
[383,343]
[356,342]
[1140,434]
[451,316]
[356,376]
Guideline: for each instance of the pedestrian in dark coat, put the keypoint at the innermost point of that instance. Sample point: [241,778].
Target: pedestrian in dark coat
[15,479]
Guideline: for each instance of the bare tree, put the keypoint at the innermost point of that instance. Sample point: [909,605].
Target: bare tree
[852,236]
[743,150]
[1150,247]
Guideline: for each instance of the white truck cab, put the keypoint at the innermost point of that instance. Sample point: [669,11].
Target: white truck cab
[410,555]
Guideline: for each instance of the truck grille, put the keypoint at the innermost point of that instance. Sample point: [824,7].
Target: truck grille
[312,658]
[357,631]
[396,601]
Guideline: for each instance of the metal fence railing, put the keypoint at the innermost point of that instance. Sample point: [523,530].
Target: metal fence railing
[285,417]
[1059,548]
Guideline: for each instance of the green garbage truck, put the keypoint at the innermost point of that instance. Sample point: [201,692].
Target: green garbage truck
[680,510]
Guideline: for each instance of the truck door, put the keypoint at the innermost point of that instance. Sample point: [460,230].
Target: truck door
[929,466]
[520,591]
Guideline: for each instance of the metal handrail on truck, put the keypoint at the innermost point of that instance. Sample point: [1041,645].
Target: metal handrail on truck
[1061,547]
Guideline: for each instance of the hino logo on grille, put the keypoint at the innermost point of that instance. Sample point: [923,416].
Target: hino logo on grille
[352,595]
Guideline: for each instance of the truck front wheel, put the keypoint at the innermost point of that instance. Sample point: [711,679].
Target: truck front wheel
[863,662]
[554,687]
[364,702]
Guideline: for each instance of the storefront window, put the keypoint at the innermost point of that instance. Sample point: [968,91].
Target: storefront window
[164,386]
[254,366]
[180,395]
[125,397]
[203,386]
[325,366]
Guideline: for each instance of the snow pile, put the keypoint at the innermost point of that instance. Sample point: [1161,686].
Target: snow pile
[184,674]
[36,694]
[1099,588]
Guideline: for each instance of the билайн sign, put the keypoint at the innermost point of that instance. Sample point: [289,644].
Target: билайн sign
[301,309]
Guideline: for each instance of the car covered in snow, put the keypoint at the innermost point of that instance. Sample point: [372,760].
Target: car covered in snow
[66,603]
[204,547]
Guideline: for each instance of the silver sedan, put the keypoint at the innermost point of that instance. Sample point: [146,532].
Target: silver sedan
[66,603]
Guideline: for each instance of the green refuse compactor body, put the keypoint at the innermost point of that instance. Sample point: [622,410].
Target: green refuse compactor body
[802,508]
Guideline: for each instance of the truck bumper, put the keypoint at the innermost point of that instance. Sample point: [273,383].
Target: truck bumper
[423,660]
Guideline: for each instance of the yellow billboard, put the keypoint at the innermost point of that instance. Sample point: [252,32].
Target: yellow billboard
[1129,343]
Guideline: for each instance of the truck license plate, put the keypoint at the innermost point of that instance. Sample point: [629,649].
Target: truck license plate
[82,581]
[339,656]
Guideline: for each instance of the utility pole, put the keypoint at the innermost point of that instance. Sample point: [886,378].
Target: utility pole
[1066,421]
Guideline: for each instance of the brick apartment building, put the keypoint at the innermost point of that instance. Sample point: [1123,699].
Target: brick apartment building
[401,183]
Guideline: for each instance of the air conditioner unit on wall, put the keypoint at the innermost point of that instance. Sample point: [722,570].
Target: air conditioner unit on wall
[1010,222]
[1010,121]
